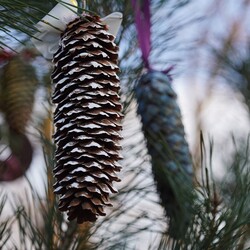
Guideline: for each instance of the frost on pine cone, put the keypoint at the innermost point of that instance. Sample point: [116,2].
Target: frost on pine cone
[164,131]
[87,118]
[19,83]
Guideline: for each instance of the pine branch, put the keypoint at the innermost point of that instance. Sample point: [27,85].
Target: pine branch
[5,225]
[220,220]
[21,16]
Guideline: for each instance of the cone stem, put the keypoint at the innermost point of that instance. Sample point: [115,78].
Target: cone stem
[84,4]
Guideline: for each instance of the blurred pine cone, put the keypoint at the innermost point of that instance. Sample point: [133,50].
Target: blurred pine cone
[171,160]
[87,118]
[20,159]
[19,83]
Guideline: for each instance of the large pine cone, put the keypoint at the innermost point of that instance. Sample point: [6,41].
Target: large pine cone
[171,160]
[19,83]
[87,118]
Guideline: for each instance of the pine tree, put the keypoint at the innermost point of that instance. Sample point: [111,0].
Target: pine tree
[220,219]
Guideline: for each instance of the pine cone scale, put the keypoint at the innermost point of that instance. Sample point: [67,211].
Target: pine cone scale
[166,143]
[18,86]
[87,119]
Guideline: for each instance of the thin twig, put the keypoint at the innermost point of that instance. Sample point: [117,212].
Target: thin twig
[84,4]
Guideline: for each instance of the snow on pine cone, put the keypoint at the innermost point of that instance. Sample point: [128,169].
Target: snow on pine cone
[19,84]
[164,131]
[87,118]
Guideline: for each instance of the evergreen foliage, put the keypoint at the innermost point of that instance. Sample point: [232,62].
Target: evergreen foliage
[220,217]
[20,16]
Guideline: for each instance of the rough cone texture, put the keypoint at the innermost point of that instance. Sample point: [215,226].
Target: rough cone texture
[18,88]
[171,160]
[87,119]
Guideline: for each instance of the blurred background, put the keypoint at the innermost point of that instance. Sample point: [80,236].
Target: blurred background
[208,45]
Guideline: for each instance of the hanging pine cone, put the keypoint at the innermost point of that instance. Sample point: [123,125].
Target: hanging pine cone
[87,118]
[18,89]
[171,160]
